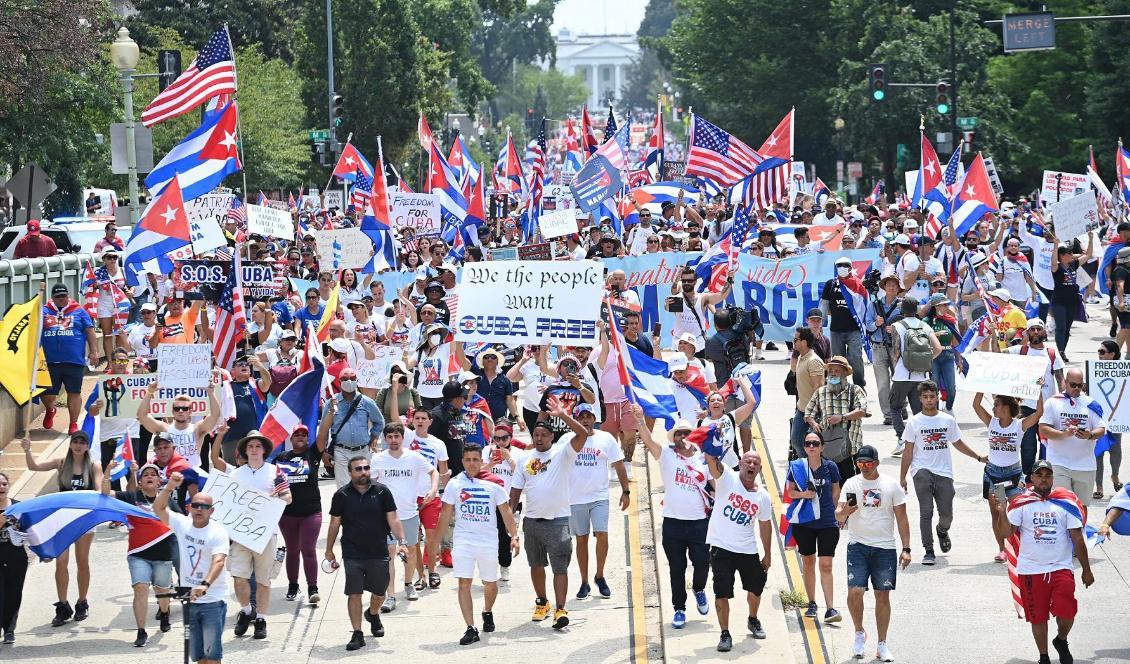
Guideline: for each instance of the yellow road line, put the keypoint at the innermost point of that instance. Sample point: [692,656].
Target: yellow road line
[638,618]
[813,638]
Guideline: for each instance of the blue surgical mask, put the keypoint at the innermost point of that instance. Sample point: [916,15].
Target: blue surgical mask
[834,380]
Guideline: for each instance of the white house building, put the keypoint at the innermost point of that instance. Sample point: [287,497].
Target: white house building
[600,60]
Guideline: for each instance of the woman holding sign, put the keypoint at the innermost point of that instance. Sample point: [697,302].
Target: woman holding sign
[1003,471]
[1066,301]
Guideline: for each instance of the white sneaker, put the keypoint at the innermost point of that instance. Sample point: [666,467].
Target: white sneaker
[898,449]
[883,653]
[757,353]
[504,574]
[410,592]
[389,606]
[860,644]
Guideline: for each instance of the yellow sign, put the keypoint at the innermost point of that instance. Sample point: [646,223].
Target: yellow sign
[20,356]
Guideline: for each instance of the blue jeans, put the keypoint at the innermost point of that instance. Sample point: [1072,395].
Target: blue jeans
[850,345]
[798,431]
[206,629]
[944,375]
[870,562]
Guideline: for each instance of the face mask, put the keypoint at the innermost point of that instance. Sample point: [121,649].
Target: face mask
[842,271]
[349,386]
[434,339]
[834,380]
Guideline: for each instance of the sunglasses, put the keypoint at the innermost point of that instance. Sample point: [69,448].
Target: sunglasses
[311,297]
[359,468]
[812,443]
[501,438]
[110,258]
[181,409]
[200,506]
[867,463]
[116,361]
[1071,384]
[1103,351]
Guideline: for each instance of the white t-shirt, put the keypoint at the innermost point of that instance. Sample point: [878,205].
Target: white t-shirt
[873,523]
[433,371]
[691,319]
[1045,543]
[139,341]
[429,447]
[1060,413]
[532,380]
[907,264]
[402,476]
[736,509]
[729,437]
[932,436]
[1004,442]
[545,477]
[197,546]
[1055,363]
[1043,252]
[590,469]
[505,468]
[184,442]
[475,502]
[1012,279]
[684,480]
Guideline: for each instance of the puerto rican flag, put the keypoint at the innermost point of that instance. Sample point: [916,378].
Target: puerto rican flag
[974,199]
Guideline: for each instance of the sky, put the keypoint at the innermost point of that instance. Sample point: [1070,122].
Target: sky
[599,17]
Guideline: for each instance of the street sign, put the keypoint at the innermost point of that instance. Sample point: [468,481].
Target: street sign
[319,135]
[30,185]
[967,124]
[143,148]
[855,170]
[1029,32]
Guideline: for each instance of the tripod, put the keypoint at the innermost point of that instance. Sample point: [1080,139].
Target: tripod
[182,593]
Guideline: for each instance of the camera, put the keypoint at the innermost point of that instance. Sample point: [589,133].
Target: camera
[871,281]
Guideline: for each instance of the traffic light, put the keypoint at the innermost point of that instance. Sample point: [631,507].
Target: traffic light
[942,100]
[530,123]
[877,79]
[337,110]
[318,153]
[168,68]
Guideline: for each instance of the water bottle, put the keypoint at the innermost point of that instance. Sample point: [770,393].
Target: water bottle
[330,566]
[280,554]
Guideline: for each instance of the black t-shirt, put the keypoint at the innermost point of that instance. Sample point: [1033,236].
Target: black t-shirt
[840,315]
[246,417]
[1117,275]
[1066,291]
[443,314]
[302,475]
[364,521]
[642,342]
[163,550]
[451,427]
[10,553]
[568,396]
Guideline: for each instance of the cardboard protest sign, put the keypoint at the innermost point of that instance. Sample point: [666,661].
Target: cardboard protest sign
[184,365]
[250,516]
[530,302]
[374,373]
[502,254]
[259,281]
[1006,374]
[206,217]
[1106,384]
[557,223]
[558,197]
[994,177]
[420,212]
[535,252]
[356,247]
[270,222]
[122,394]
[1057,186]
[910,178]
[1075,216]
[597,181]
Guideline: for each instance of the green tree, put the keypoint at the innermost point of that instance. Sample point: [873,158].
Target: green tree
[269,24]
[511,34]
[564,93]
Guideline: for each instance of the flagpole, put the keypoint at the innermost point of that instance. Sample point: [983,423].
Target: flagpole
[348,140]
[238,126]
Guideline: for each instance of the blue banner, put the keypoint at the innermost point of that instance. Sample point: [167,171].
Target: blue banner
[784,290]
[597,181]
[651,277]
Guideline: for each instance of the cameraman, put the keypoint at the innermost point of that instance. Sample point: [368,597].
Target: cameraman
[882,312]
[690,308]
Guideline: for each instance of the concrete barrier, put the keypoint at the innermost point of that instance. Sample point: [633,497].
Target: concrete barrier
[20,278]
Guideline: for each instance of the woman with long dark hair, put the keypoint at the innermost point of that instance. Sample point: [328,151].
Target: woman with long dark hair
[1066,301]
[77,472]
[816,479]
[13,567]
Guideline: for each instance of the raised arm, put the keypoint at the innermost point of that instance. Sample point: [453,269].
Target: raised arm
[979,408]
[161,505]
[653,447]
[151,425]
[209,422]
[32,464]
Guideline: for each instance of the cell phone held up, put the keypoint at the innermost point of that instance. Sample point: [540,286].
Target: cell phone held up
[675,304]
[656,329]
[852,500]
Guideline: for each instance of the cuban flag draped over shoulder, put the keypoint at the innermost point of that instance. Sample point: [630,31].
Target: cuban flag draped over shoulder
[1058,496]
[92,424]
[1109,254]
[974,198]
[202,160]
[162,230]
[1121,500]
[855,296]
[298,403]
[123,456]
[50,524]
[646,380]
[798,510]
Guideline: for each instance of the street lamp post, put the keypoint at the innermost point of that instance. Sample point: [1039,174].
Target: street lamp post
[124,54]
[839,125]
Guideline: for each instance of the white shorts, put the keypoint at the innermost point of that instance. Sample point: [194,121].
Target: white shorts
[466,558]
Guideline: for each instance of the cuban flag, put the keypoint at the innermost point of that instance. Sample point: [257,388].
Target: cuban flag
[731,389]
[50,524]
[708,438]
[696,385]
[375,223]
[653,196]
[123,456]
[350,161]
[711,267]
[646,380]
[929,173]
[1122,168]
[800,510]
[444,184]
[608,208]
[162,230]
[297,404]
[1121,500]
[92,424]
[531,215]
[855,296]
[509,167]
[462,163]
[876,194]
[777,150]
[1109,255]
[974,198]
[588,134]
[938,197]
[821,192]
[202,160]
[1101,190]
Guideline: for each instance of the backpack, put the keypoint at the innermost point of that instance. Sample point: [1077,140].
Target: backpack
[917,352]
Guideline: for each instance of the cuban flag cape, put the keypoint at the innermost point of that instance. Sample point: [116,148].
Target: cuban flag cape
[50,524]
[92,424]
[1107,261]
[1058,496]
[123,455]
[646,380]
[799,510]
[202,160]
[298,403]
[1121,500]
[855,296]
[974,198]
[696,385]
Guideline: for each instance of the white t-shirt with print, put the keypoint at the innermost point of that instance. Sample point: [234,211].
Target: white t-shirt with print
[197,546]
[684,479]
[1004,442]
[403,477]
[505,468]
[1072,453]
[733,523]
[873,524]
[1045,543]
[932,436]
[590,469]
[545,477]
[432,449]
[474,502]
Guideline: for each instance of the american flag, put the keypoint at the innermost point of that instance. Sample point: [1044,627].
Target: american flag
[767,187]
[949,180]
[535,152]
[738,234]
[362,190]
[211,73]
[609,128]
[231,321]
[717,155]
[237,213]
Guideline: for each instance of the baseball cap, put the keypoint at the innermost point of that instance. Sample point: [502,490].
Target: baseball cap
[453,389]
[287,334]
[149,306]
[1035,322]
[902,239]
[677,363]
[1042,464]
[80,435]
[340,345]
[60,289]
[33,227]
[867,453]
[1000,293]
[910,223]
[843,260]
[692,339]
[814,313]
[682,425]
[584,408]
[465,376]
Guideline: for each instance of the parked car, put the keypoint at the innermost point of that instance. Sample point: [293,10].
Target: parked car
[72,235]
